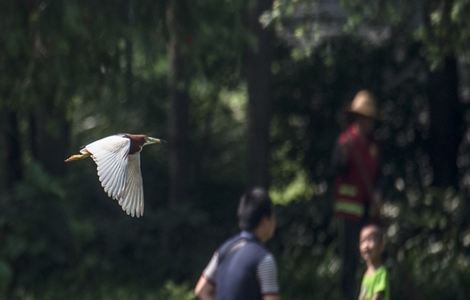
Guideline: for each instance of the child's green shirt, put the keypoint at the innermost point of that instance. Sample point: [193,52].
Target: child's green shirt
[375,283]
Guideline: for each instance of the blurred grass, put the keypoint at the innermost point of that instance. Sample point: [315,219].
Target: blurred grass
[168,291]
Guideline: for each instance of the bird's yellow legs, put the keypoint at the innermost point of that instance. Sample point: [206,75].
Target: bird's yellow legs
[84,154]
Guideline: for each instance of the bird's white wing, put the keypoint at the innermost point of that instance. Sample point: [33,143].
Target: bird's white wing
[111,157]
[132,198]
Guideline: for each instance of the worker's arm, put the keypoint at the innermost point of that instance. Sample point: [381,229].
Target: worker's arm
[379,186]
[271,297]
[339,159]
[204,289]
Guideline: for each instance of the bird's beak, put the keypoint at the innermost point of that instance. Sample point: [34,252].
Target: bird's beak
[151,140]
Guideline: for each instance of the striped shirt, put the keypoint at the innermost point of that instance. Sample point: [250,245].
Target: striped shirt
[242,269]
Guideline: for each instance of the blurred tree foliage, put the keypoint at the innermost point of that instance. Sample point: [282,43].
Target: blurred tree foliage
[74,71]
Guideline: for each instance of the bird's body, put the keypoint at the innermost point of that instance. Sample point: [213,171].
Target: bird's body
[117,158]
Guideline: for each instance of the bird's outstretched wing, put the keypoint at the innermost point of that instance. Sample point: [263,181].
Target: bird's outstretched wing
[132,198]
[119,172]
[110,155]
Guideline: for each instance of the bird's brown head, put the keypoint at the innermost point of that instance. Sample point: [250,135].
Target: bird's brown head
[140,140]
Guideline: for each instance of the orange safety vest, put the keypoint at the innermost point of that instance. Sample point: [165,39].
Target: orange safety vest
[353,187]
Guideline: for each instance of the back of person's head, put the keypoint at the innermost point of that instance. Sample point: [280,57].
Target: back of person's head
[254,205]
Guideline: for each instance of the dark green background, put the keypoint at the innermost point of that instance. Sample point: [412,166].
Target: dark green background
[75,71]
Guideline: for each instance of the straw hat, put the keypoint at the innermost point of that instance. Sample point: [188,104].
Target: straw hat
[364,104]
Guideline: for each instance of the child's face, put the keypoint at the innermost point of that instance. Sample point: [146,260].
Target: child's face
[370,244]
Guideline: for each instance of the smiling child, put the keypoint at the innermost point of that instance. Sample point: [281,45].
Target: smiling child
[375,285]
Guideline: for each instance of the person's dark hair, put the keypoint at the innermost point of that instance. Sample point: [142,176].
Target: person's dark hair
[378,226]
[254,205]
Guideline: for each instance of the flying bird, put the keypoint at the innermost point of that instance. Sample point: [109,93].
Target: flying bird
[117,158]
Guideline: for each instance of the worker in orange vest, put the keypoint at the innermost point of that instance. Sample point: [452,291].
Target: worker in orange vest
[355,163]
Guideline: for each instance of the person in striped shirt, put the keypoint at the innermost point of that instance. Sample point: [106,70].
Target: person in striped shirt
[242,268]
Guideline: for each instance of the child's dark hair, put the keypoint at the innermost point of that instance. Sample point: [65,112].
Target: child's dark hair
[254,205]
[379,227]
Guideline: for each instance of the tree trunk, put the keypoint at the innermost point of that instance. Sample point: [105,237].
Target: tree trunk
[12,147]
[258,68]
[50,136]
[179,102]
[129,48]
[445,131]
